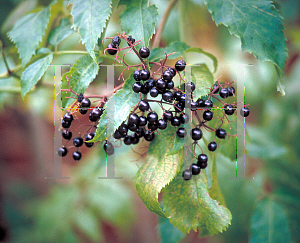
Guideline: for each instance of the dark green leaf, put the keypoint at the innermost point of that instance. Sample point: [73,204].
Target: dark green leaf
[257,23]
[168,232]
[83,73]
[188,205]
[269,223]
[90,18]
[33,73]
[61,32]
[139,19]
[203,79]
[124,100]
[179,48]
[159,170]
[29,31]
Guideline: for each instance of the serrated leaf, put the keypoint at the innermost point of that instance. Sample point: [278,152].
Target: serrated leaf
[139,19]
[179,48]
[83,73]
[269,223]
[177,145]
[33,73]
[124,100]
[203,79]
[90,17]
[257,23]
[168,232]
[188,205]
[61,32]
[29,31]
[159,170]
[88,224]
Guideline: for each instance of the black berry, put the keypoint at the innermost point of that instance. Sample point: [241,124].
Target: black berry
[175,121]
[80,97]
[136,75]
[187,175]
[78,141]
[229,109]
[167,75]
[231,91]
[142,121]
[152,126]
[137,87]
[221,133]
[180,65]
[152,117]
[208,104]
[162,124]
[149,136]
[117,135]
[215,89]
[62,151]
[95,114]
[130,40]
[108,148]
[224,93]
[200,103]
[67,134]
[133,119]
[168,115]
[144,74]
[196,134]
[245,112]
[86,103]
[77,155]
[170,85]
[207,115]
[167,96]
[116,41]
[68,117]
[111,51]
[184,118]
[144,52]
[202,158]
[161,84]
[202,165]
[196,169]
[212,146]
[127,140]
[144,105]
[153,92]
[181,132]
[65,124]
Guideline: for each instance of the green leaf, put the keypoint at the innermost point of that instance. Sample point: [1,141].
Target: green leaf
[33,73]
[29,31]
[168,232]
[139,19]
[159,170]
[177,145]
[124,100]
[90,18]
[88,224]
[179,48]
[257,23]
[61,32]
[203,79]
[188,205]
[269,223]
[83,73]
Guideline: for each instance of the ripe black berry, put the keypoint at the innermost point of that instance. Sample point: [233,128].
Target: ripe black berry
[167,75]
[180,65]
[83,111]
[136,75]
[229,109]
[133,119]
[149,84]
[221,133]
[137,87]
[212,146]
[184,118]
[67,134]
[144,105]
[111,51]
[132,127]
[190,87]
[224,93]
[144,74]
[216,88]
[117,135]
[123,129]
[108,148]
[175,121]
[142,121]
[161,84]
[152,126]
[245,112]
[208,104]
[62,151]
[162,124]
[95,114]
[187,175]
[116,41]
[173,71]
[80,97]
[200,103]
[68,117]
[202,165]
[207,115]
[77,155]
[134,139]
[181,132]
[78,141]
[170,85]
[231,91]
[182,98]
[195,169]
[196,134]
[127,140]
[130,40]
[153,92]
[149,136]
[202,158]
[193,105]
[140,132]
[179,107]
[168,115]
[167,96]
[86,103]
[177,95]
[152,117]
[65,124]
[144,52]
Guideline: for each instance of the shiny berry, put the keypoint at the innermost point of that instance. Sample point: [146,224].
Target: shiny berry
[229,109]
[161,84]
[111,51]
[134,139]
[149,84]
[202,165]
[78,141]
[117,135]
[149,136]
[89,137]
[152,126]
[77,155]
[177,95]
[175,121]
[67,134]
[207,115]
[132,127]
[190,87]
[167,75]
[179,107]
[137,87]
[65,124]
[62,151]
[181,132]
[123,129]
[144,105]
[144,74]
[231,91]
[152,117]
[127,140]
[215,89]
[194,105]
[212,146]
[136,75]
[202,158]
[133,119]
[182,98]
[144,52]
[200,103]
[195,169]
[80,97]
[140,132]
[86,103]
[170,85]
[167,96]
[83,111]
[173,71]
[162,124]
[224,93]
[95,114]
[168,115]
[208,104]
[108,148]
[130,40]
[245,112]
[180,65]
[116,41]
[221,133]
[184,118]
[196,134]
[68,117]
[153,92]
[187,175]
[142,121]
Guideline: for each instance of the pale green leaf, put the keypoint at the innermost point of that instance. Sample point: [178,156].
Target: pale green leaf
[83,73]
[203,79]
[168,232]
[124,100]
[33,73]
[177,145]
[29,31]
[269,223]
[188,205]
[257,23]
[90,17]
[139,19]
[61,32]
[159,170]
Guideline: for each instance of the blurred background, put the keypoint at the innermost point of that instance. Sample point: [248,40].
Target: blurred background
[84,209]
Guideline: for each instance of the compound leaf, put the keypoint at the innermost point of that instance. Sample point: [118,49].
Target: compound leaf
[33,73]
[139,19]
[124,100]
[257,23]
[90,17]
[203,79]
[188,206]
[83,73]
[61,32]
[179,48]
[158,171]
[29,31]
[269,223]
